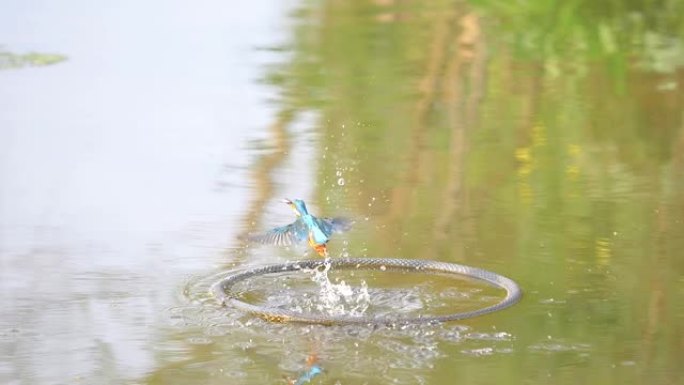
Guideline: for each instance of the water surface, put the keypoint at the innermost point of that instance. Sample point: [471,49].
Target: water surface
[543,141]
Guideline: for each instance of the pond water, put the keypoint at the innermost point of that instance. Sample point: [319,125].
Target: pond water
[140,142]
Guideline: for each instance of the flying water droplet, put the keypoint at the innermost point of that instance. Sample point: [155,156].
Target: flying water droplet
[340,182]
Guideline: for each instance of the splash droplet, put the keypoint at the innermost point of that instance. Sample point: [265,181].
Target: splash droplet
[340,181]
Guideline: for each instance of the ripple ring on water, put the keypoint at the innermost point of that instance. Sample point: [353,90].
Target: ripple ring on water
[224,290]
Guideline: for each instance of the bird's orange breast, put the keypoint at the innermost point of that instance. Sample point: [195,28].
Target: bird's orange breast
[320,248]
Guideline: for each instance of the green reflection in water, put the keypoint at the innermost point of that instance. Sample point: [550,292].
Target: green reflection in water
[9,60]
[543,140]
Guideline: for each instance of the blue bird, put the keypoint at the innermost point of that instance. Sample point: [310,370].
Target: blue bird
[308,375]
[313,370]
[307,227]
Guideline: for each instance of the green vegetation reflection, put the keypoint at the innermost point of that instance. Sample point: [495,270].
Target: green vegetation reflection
[542,139]
[9,60]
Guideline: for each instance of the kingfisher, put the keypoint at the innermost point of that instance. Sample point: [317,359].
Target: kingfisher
[307,376]
[313,370]
[316,231]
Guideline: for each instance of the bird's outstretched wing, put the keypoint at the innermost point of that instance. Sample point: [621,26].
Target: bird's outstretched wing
[334,225]
[286,235]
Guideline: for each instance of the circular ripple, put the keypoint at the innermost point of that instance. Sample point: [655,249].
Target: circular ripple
[224,290]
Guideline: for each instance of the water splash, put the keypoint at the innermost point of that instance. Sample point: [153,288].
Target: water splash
[339,298]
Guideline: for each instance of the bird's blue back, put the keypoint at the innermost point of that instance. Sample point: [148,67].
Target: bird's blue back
[317,232]
[313,224]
